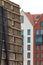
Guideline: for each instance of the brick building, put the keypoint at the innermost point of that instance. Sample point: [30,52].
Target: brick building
[10,34]
[38,41]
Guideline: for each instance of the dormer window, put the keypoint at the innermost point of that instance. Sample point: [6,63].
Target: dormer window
[37,17]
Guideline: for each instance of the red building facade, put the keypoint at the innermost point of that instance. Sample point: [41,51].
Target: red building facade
[38,41]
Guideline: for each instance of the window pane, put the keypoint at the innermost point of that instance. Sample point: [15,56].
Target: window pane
[41,32]
[37,32]
[2,3]
[28,31]
[37,63]
[28,62]
[39,39]
[41,47]
[37,55]
[12,8]
[41,62]
[22,38]
[38,16]
[28,55]
[22,19]
[1,10]
[28,39]
[41,23]
[22,32]
[37,47]
[41,55]
[28,47]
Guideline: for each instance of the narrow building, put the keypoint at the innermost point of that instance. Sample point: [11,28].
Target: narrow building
[38,40]
[10,34]
[27,34]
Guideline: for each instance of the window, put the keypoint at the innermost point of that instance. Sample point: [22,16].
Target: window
[22,32]
[37,55]
[38,16]
[41,47]
[41,23]
[37,32]
[28,55]
[0,36]
[8,46]
[41,32]
[28,31]
[39,39]
[37,47]
[41,63]
[12,8]
[14,39]
[22,19]
[13,16]
[37,63]
[12,23]
[28,62]
[41,55]
[2,3]
[28,47]
[28,39]
[4,13]
[1,10]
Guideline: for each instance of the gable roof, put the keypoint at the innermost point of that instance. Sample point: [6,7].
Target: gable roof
[33,17]
[36,17]
[29,17]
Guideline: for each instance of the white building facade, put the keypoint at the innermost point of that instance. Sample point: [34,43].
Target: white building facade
[27,32]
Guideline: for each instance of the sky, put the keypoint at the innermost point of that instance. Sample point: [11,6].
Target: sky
[32,6]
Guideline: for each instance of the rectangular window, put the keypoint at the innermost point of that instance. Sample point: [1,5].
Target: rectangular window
[41,63]
[41,23]
[28,31]
[37,47]
[37,55]
[41,47]
[12,8]
[2,3]
[37,32]
[28,62]
[28,47]
[4,13]
[37,63]
[1,10]
[39,39]
[28,55]
[41,55]
[28,39]
[22,32]
[12,23]
[41,32]
[22,18]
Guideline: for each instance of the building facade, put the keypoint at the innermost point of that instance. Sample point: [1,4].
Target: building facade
[27,33]
[10,34]
[38,41]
